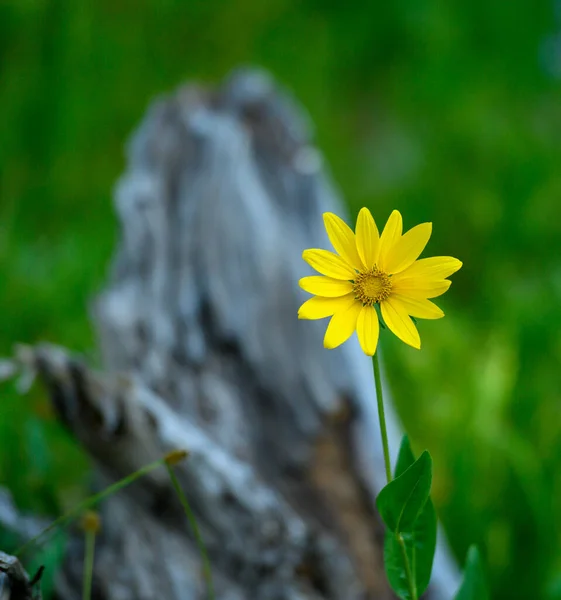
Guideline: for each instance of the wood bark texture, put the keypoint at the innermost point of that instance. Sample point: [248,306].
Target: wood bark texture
[201,349]
[14,581]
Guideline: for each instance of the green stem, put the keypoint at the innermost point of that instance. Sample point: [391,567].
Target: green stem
[193,523]
[408,573]
[384,432]
[89,502]
[382,416]
[88,565]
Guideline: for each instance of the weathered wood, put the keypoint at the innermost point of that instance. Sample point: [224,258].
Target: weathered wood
[201,349]
[14,581]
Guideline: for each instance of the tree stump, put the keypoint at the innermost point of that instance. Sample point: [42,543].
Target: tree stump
[14,582]
[201,349]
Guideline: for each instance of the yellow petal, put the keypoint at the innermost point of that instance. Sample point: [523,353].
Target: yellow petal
[436,267]
[408,248]
[390,235]
[368,330]
[328,263]
[367,238]
[325,286]
[396,318]
[419,287]
[342,239]
[342,325]
[319,308]
[420,308]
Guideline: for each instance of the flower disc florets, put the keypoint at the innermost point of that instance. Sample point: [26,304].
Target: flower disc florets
[372,287]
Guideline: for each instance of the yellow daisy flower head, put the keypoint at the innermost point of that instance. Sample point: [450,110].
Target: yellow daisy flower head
[370,269]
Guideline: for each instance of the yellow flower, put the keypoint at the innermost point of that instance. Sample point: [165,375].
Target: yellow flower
[371,269]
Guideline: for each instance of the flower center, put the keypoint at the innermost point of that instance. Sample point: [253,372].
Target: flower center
[372,286]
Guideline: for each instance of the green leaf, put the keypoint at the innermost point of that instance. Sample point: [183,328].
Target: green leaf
[420,543]
[401,501]
[474,586]
[405,458]
[394,567]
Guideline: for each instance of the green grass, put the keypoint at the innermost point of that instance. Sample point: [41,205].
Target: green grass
[442,110]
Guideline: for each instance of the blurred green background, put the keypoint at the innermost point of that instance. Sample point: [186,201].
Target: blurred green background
[449,111]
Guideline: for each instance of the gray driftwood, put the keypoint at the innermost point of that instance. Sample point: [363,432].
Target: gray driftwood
[14,581]
[201,349]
